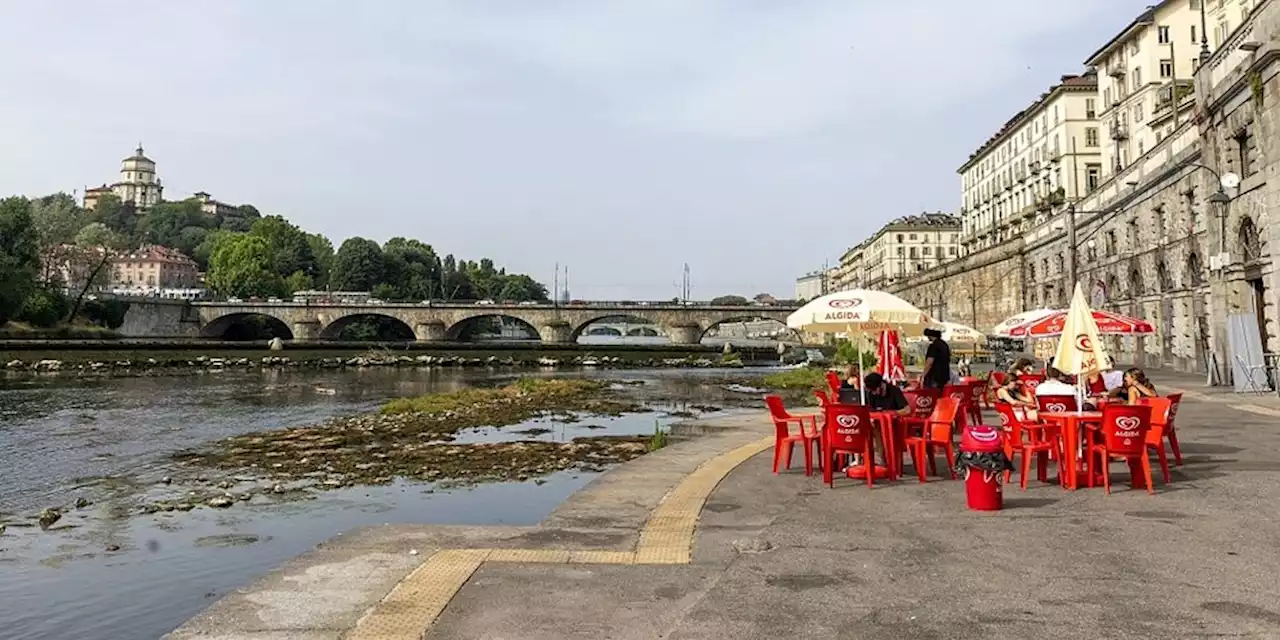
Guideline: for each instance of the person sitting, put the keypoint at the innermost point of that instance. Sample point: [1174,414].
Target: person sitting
[882,396]
[1023,366]
[849,386]
[1137,386]
[1054,385]
[1012,394]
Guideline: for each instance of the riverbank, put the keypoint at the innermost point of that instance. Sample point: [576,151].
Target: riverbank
[326,593]
[97,362]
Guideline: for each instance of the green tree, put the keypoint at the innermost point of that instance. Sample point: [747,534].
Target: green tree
[322,251]
[521,287]
[19,255]
[242,267]
[212,240]
[56,218]
[358,266]
[299,281]
[411,268]
[290,250]
[164,223]
[730,301]
[116,215]
[454,280]
[95,244]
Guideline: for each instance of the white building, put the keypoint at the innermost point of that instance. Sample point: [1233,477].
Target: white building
[811,285]
[1046,155]
[905,246]
[138,184]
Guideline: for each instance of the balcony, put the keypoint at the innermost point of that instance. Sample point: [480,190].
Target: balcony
[1119,132]
[1174,91]
[1117,71]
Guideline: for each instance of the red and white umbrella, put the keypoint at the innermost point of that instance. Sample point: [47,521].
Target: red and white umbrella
[1109,324]
[1004,329]
[889,357]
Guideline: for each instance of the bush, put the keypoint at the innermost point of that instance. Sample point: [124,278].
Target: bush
[804,378]
[44,308]
[105,313]
[846,353]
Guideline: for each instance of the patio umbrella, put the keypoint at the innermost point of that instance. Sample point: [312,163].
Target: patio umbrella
[957,334]
[860,311]
[1105,323]
[1005,328]
[889,357]
[1080,351]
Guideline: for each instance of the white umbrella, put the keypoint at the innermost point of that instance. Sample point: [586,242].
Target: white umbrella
[860,311]
[1080,350]
[956,333]
[1004,329]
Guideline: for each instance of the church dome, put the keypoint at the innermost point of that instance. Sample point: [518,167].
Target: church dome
[138,161]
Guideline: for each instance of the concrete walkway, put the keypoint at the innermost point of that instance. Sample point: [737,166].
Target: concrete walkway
[784,556]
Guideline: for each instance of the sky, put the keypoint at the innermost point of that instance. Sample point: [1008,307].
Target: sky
[754,140]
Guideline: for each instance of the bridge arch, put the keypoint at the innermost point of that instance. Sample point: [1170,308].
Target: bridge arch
[710,329]
[367,327]
[497,325]
[583,328]
[247,326]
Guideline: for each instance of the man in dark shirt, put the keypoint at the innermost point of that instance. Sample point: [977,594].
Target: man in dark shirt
[882,396]
[937,361]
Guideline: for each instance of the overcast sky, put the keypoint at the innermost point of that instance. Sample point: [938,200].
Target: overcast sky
[752,139]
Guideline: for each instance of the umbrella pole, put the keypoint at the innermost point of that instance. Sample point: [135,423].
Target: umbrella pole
[862,387]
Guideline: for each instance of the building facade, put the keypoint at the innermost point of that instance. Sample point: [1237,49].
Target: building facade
[909,245]
[850,274]
[153,267]
[138,185]
[811,285]
[1162,237]
[1046,155]
[214,207]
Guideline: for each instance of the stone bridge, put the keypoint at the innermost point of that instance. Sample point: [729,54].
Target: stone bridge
[684,324]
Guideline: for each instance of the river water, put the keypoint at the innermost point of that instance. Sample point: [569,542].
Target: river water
[100,572]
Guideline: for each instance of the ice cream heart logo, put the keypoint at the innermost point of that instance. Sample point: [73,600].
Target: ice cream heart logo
[1056,407]
[984,435]
[924,401]
[848,421]
[957,396]
[1128,423]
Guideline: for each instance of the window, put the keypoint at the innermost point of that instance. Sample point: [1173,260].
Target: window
[1166,68]
[1109,246]
[1090,108]
[1246,150]
[1194,39]
[1250,243]
[1195,271]
[1093,175]
[1195,5]
[1106,96]
[1091,137]
[1137,78]
[899,252]
[1137,112]
[899,238]
[1163,35]
[1140,147]
[951,251]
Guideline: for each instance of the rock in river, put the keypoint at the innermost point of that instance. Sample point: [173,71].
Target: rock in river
[48,517]
[220,502]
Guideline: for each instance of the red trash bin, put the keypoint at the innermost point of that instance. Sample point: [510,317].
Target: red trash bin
[981,486]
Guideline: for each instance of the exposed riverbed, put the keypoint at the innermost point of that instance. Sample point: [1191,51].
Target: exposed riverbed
[112,568]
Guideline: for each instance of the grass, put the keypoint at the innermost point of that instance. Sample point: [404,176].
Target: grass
[658,440]
[525,394]
[804,379]
[22,331]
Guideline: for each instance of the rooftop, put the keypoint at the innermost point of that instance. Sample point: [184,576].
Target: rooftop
[1087,80]
[1147,17]
[157,253]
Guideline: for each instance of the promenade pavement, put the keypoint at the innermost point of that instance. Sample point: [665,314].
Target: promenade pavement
[784,556]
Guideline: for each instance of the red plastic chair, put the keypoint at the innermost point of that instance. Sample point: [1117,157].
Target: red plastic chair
[823,398]
[1030,381]
[978,389]
[1028,440]
[969,412]
[848,432]
[939,431]
[1123,436]
[834,382]
[1155,436]
[1057,404]
[784,441]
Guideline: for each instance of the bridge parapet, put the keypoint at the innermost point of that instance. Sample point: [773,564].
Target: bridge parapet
[685,324]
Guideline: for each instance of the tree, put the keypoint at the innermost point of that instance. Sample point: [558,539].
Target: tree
[212,240]
[322,251]
[730,301]
[116,215]
[56,218]
[290,250]
[299,281]
[242,266]
[411,268]
[358,266]
[95,244]
[165,222]
[19,255]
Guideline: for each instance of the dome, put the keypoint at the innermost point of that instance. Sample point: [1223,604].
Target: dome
[138,162]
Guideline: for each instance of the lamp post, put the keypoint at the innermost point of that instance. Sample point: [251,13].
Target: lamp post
[1204,36]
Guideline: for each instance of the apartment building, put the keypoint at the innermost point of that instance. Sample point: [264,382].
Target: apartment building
[153,267]
[1145,79]
[1046,155]
[906,246]
[849,273]
[811,285]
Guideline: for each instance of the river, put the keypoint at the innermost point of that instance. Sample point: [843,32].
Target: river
[104,571]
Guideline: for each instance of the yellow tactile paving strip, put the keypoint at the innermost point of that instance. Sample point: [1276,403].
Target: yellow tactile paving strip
[667,538]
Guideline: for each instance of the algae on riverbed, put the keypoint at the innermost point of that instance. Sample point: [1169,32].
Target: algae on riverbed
[410,438]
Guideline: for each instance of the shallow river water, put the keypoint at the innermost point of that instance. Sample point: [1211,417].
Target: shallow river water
[101,573]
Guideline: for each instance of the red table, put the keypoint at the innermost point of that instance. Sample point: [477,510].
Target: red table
[1072,423]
